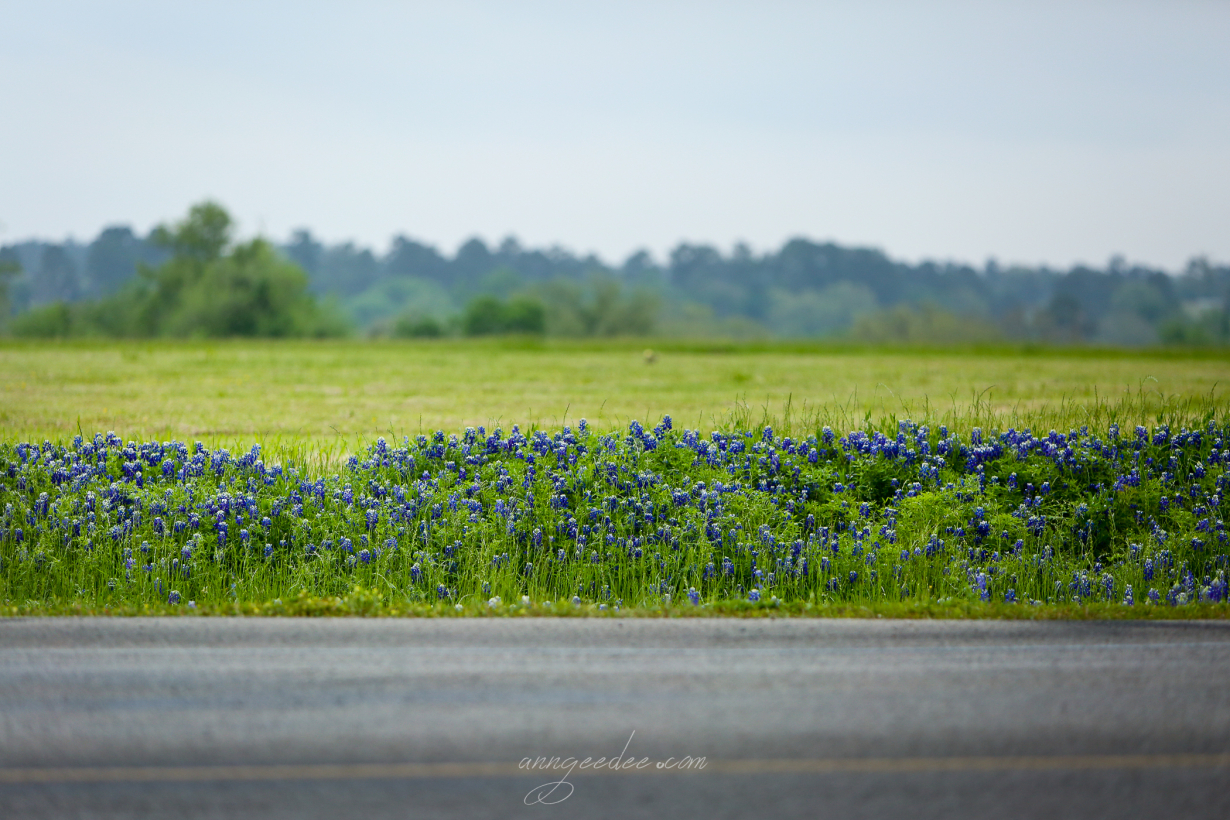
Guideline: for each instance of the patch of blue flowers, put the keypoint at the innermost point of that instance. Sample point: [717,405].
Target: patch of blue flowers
[1126,516]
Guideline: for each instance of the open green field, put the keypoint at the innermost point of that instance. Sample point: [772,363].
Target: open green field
[337,395]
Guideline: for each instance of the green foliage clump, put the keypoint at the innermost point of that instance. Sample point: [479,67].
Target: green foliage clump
[600,307]
[417,327]
[9,268]
[926,324]
[488,315]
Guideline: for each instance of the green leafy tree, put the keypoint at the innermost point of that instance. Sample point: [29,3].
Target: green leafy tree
[600,308]
[411,326]
[201,237]
[113,257]
[926,324]
[250,291]
[487,315]
[525,315]
[45,322]
[208,287]
[483,317]
[9,268]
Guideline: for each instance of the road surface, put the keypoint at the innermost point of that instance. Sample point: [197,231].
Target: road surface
[301,718]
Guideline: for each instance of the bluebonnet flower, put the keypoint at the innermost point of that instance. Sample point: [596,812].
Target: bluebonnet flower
[981,581]
[173,598]
[365,556]
[754,596]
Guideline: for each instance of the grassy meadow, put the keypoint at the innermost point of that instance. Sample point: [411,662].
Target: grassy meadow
[337,395]
[452,477]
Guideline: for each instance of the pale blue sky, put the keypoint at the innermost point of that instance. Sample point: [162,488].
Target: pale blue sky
[1033,132]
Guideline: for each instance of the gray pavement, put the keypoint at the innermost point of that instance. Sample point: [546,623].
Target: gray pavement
[199,717]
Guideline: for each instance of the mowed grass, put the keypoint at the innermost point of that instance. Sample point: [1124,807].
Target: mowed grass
[338,395]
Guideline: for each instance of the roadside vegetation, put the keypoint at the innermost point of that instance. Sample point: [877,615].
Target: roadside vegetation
[919,518]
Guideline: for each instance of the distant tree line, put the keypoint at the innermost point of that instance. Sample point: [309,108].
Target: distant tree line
[158,285]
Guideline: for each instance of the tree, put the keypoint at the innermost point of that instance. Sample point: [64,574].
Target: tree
[112,259]
[599,308]
[201,237]
[249,291]
[9,268]
[305,251]
[484,316]
[57,278]
[487,315]
[206,288]
[525,315]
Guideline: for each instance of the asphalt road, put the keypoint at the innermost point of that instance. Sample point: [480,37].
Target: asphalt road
[197,717]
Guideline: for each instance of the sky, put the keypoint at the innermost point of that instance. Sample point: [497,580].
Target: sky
[1034,133]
